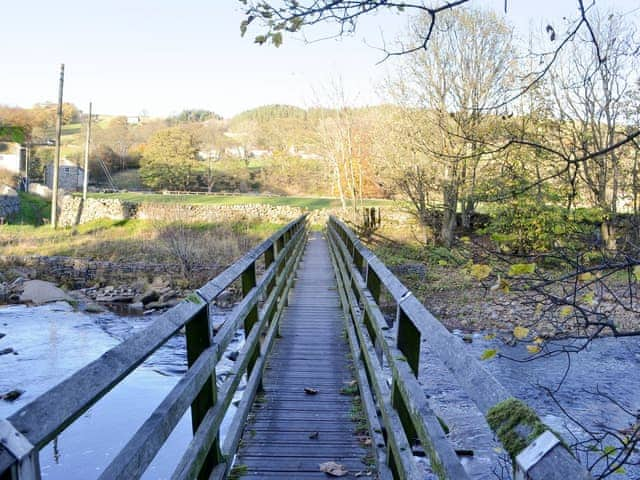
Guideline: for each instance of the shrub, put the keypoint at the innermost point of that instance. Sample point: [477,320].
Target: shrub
[526,226]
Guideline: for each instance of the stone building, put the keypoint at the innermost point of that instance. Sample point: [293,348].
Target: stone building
[70,176]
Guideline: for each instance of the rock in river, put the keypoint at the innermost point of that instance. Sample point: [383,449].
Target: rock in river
[40,292]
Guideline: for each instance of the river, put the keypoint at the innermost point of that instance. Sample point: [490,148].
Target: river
[53,341]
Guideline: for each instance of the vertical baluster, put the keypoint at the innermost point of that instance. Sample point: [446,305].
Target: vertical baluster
[373,284]
[248,283]
[408,340]
[198,333]
[269,258]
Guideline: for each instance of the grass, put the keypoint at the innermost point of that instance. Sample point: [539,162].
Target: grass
[136,240]
[71,129]
[128,179]
[310,203]
[33,209]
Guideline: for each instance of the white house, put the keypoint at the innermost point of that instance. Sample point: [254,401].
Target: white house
[12,157]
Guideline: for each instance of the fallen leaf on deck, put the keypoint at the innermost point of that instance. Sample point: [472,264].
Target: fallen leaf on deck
[310,391]
[334,469]
[314,435]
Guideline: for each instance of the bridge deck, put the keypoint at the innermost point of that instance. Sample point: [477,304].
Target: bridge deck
[291,432]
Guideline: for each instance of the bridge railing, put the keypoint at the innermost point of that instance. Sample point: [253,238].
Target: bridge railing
[405,415]
[24,433]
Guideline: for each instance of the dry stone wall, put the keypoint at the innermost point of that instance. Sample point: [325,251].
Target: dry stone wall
[9,203]
[73,212]
[80,272]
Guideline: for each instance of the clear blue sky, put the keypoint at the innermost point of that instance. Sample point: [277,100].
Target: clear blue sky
[163,56]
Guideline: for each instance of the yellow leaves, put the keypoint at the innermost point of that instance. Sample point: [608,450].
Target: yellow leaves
[533,349]
[538,340]
[480,271]
[565,311]
[518,269]
[520,332]
[489,354]
[588,298]
[586,277]
[501,284]
[489,336]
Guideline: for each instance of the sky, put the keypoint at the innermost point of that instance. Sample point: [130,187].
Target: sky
[159,57]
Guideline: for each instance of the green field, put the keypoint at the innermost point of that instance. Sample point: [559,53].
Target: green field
[310,203]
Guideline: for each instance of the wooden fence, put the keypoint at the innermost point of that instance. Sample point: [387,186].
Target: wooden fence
[404,412]
[25,432]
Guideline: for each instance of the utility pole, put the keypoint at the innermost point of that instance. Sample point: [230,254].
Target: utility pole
[85,184]
[56,162]
[26,167]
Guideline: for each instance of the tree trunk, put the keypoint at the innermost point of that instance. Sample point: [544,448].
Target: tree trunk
[447,230]
[468,208]
[608,232]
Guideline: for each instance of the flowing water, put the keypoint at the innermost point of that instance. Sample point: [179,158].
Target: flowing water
[54,341]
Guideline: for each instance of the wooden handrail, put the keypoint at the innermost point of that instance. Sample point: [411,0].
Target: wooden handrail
[39,423]
[362,276]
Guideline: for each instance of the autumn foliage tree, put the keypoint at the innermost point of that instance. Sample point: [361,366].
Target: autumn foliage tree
[169,160]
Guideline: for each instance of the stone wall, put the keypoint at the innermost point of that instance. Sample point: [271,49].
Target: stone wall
[9,202]
[73,212]
[80,272]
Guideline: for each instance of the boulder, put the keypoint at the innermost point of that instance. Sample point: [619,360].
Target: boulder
[40,292]
[146,297]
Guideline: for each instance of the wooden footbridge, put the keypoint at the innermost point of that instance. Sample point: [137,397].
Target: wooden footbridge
[332,386]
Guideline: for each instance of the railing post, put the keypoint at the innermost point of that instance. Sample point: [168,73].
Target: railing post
[280,246]
[400,406]
[198,333]
[269,258]
[373,284]
[408,340]
[248,283]
[27,466]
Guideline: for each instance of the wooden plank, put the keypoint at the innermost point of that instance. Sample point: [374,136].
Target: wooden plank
[295,464]
[311,450]
[312,352]
[207,433]
[397,442]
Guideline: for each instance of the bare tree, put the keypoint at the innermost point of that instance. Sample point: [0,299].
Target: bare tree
[591,88]
[448,92]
